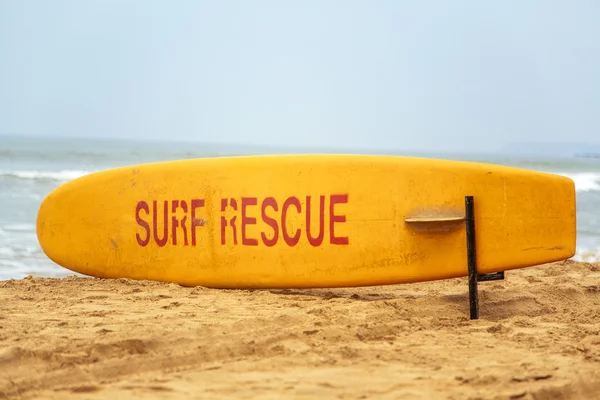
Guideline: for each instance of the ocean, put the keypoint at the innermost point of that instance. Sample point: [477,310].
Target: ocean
[30,168]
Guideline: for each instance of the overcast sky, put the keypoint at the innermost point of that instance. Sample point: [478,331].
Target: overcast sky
[421,75]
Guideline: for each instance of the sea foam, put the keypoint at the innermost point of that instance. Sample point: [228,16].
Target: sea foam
[584,181]
[63,175]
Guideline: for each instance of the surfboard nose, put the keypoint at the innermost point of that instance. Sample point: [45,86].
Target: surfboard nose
[58,222]
[45,226]
[50,227]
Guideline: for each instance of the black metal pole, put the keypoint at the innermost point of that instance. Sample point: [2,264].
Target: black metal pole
[471,256]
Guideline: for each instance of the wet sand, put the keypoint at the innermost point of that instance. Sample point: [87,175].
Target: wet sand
[538,337]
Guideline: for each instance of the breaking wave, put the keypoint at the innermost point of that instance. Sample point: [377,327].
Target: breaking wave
[63,175]
[584,181]
[587,256]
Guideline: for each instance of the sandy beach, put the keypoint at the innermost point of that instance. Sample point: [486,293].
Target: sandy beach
[538,337]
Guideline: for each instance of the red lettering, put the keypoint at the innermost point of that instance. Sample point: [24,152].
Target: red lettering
[248,201]
[223,220]
[224,203]
[184,206]
[165,223]
[290,240]
[174,221]
[175,204]
[155,222]
[142,205]
[269,202]
[316,241]
[336,199]
[196,222]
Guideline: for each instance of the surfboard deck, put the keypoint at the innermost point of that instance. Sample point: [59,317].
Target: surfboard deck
[294,221]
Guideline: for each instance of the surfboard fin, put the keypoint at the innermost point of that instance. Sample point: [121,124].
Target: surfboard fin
[428,219]
[492,276]
[434,223]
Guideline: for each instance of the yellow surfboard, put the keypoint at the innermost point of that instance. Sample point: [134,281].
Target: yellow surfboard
[305,220]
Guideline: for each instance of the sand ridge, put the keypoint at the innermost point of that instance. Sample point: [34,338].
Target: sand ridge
[538,337]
